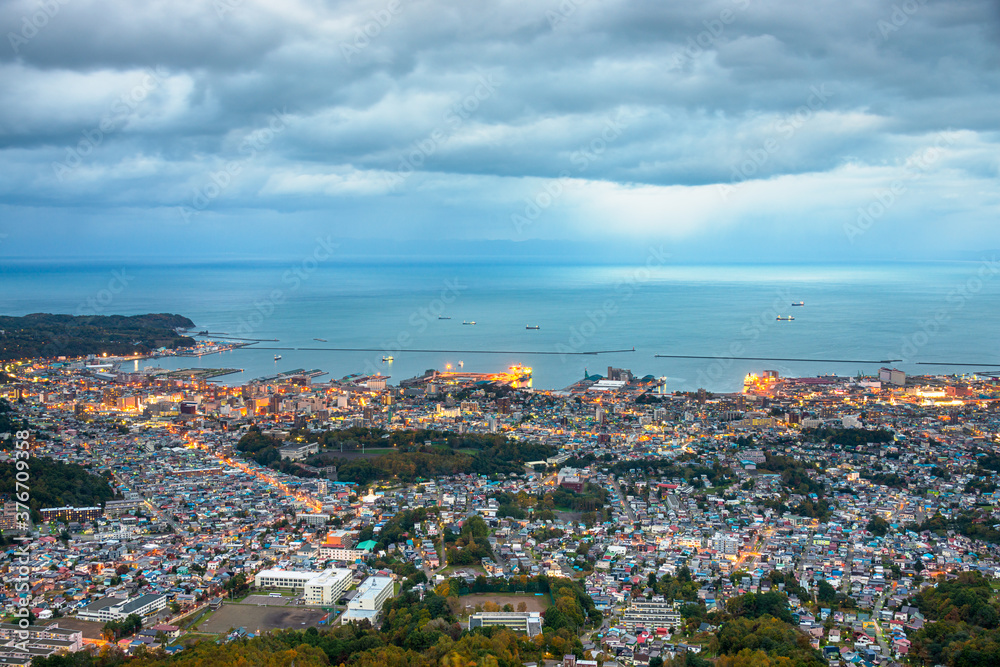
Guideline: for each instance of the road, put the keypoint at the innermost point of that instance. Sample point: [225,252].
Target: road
[750,564]
[161,516]
[625,505]
[845,584]
[878,626]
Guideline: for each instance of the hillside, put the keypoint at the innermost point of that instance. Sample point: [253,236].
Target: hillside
[47,335]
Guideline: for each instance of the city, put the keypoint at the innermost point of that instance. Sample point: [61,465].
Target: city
[234,511]
[579,333]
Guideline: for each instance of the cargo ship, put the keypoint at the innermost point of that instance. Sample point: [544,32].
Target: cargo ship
[444,318]
[387,359]
[277,357]
[787,318]
[799,303]
[472,322]
[322,340]
[531,327]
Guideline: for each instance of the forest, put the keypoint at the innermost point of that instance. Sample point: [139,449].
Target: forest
[972,524]
[848,437]
[414,460]
[46,335]
[755,630]
[56,484]
[418,630]
[964,631]
[765,641]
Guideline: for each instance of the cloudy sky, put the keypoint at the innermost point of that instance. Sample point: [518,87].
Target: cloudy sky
[846,129]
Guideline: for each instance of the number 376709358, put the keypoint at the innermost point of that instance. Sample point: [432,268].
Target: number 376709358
[22,490]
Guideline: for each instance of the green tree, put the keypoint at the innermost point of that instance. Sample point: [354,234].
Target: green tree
[877,526]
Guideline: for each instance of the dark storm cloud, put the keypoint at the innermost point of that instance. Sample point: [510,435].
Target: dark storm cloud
[680,119]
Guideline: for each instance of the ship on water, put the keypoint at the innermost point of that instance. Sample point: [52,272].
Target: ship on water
[472,322]
[787,318]
[442,317]
[322,340]
[277,357]
[532,327]
[387,359]
[799,303]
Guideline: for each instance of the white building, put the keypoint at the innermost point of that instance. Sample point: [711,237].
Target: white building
[519,621]
[728,545]
[40,639]
[367,603]
[116,609]
[324,587]
[341,553]
[651,615]
[892,376]
[298,450]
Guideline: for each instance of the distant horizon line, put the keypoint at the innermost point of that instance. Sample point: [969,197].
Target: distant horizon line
[476,259]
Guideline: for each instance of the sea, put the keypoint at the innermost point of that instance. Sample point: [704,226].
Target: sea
[854,319]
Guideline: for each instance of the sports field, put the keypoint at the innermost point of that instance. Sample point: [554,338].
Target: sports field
[255,618]
[532,601]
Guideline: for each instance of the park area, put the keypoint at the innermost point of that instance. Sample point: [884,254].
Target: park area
[254,618]
[531,601]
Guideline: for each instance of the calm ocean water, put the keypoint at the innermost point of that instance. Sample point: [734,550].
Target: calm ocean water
[947,311]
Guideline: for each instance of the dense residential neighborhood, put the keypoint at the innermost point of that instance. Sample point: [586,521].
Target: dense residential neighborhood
[828,504]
